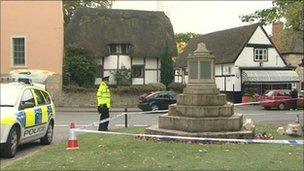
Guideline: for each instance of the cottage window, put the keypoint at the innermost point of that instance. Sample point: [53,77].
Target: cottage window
[137,71]
[125,49]
[122,49]
[260,54]
[19,51]
[113,49]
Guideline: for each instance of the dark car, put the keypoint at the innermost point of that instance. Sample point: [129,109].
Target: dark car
[159,100]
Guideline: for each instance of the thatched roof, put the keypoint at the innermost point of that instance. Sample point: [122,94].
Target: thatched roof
[149,33]
[226,45]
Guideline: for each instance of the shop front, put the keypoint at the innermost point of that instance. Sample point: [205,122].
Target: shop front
[257,82]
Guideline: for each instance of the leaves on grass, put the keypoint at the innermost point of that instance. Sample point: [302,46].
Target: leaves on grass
[169,155]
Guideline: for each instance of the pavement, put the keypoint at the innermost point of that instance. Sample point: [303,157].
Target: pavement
[93,109]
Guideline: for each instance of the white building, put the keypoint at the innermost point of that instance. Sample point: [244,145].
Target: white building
[124,39]
[246,62]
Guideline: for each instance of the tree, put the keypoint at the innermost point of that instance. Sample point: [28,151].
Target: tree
[289,10]
[182,39]
[69,7]
[79,68]
[185,37]
[166,68]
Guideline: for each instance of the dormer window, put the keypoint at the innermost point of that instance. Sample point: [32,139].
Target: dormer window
[260,54]
[121,49]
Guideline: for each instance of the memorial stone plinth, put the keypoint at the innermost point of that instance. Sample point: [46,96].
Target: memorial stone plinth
[201,110]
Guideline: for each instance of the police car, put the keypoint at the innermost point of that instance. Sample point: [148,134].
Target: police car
[27,114]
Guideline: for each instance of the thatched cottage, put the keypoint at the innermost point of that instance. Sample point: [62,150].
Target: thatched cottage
[120,39]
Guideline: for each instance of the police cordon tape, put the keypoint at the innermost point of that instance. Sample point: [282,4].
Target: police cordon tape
[267,101]
[129,113]
[167,137]
[122,114]
[164,111]
[246,141]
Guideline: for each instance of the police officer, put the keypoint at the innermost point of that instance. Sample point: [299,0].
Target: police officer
[104,103]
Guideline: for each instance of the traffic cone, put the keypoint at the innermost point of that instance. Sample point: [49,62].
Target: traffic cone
[72,143]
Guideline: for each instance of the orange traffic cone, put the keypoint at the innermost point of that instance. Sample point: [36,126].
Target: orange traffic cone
[72,143]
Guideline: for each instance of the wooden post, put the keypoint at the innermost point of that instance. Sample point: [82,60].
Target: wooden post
[126,116]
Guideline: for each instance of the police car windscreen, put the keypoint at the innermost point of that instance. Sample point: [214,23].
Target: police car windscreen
[9,96]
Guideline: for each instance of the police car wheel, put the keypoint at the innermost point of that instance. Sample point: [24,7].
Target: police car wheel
[10,147]
[48,137]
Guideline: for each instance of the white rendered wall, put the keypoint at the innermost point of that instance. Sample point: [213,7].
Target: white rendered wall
[110,62]
[228,69]
[151,63]
[219,83]
[151,77]
[218,70]
[259,37]
[124,61]
[237,81]
[232,77]
[137,81]
[246,59]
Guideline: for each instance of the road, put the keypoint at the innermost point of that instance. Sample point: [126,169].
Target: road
[83,118]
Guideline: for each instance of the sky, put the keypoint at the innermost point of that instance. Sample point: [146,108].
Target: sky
[199,16]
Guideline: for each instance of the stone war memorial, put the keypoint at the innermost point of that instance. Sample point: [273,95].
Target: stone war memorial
[201,111]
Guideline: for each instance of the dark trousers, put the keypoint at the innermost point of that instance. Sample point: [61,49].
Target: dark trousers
[104,114]
[294,104]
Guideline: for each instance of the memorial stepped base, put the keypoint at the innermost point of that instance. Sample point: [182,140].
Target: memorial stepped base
[208,124]
[241,134]
[201,100]
[201,111]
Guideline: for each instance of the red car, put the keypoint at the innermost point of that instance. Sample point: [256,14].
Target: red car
[278,99]
[301,99]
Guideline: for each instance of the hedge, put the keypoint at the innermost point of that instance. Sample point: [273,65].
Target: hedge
[131,89]
[177,87]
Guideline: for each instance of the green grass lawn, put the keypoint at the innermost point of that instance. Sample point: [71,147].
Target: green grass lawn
[116,152]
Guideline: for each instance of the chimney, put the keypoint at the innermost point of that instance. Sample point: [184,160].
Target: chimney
[277,28]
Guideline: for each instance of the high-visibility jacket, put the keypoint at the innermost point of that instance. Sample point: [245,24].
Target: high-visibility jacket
[103,95]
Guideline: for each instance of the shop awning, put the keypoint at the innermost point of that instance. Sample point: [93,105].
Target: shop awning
[269,77]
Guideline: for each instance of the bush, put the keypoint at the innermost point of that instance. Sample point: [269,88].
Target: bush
[138,89]
[132,89]
[79,68]
[177,87]
[122,76]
